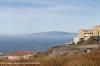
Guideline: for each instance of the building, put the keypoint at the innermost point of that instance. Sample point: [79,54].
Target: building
[87,33]
[96,30]
[19,55]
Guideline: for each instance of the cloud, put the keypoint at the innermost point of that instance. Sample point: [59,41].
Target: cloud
[44,15]
[58,15]
[47,3]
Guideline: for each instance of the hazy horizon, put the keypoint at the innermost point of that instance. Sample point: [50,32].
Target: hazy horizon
[34,16]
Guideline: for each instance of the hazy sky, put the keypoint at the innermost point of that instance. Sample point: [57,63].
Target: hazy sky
[31,16]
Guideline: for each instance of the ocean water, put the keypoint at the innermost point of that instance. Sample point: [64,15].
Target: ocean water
[31,43]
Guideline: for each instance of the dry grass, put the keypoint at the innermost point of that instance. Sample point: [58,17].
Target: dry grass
[90,59]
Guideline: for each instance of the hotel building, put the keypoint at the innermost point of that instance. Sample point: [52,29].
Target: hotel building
[87,33]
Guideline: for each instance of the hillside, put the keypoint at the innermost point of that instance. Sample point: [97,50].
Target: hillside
[53,33]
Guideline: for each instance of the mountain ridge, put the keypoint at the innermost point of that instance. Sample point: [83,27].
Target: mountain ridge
[53,33]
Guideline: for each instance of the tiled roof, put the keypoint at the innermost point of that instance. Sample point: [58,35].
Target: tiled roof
[21,53]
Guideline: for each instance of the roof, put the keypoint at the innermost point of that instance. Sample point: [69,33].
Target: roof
[20,53]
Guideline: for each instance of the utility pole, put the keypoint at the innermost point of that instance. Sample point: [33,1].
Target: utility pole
[98,39]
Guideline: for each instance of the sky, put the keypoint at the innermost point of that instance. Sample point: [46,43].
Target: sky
[33,16]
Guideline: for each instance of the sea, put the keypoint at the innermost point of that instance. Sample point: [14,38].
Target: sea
[31,43]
